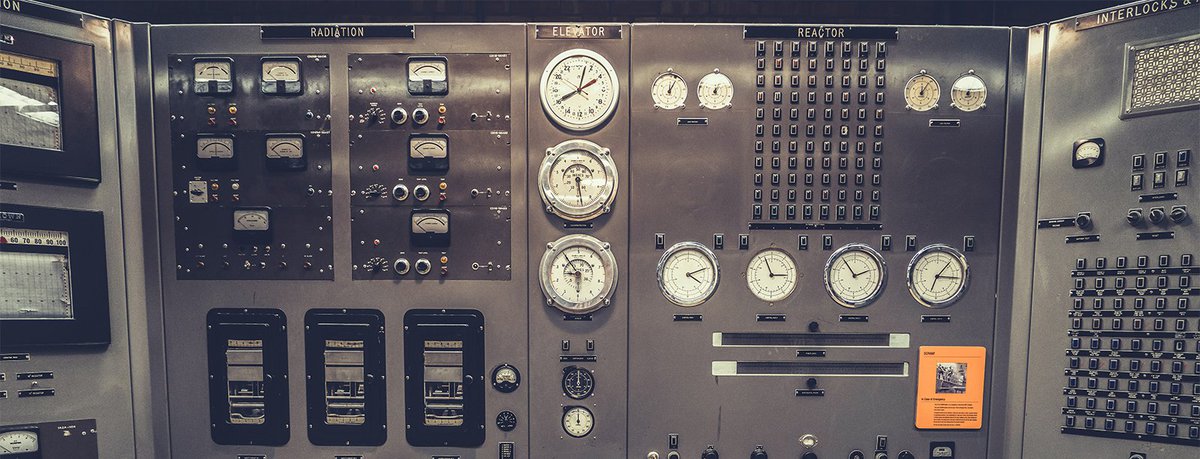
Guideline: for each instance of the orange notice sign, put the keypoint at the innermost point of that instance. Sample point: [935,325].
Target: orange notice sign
[950,387]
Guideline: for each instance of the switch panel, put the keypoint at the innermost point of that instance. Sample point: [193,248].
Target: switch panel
[248,376]
[444,377]
[346,364]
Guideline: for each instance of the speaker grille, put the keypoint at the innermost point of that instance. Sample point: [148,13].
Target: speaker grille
[1163,76]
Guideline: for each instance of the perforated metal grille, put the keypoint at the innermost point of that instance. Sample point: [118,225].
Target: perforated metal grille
[1164,76]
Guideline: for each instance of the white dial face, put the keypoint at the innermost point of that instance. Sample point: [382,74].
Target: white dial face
[688,274]
[938,276]
[1087,150]
[205,71]
[855,275]
[426,69]
[280,70]
[922,92]
[18,441]
[578,274]
[771,275]
[578,180]
[669,91]
[579,89]
[285,147]
[252,220]
[577,421]
[214,147]
[715,91]
[968,93]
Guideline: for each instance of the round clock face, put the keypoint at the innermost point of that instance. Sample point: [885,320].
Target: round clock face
[577,421]
[579,90]
[688,274]
[669,91]
[922,92]
[771,275]
[938,276]
[855,275]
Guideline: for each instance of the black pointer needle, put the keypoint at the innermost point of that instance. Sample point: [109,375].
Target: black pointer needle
[672,86]
[768,263]
[579,188]
[694,277]
[853,275]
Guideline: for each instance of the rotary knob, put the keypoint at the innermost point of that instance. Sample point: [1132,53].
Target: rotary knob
[401,266]
[1157,215]
[710,453]
[1134,217]
[423,266]
[1179,214]
[1083,220]
[758,453]
[399,115]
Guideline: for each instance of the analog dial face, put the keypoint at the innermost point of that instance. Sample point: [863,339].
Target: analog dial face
[968,93]
[669,91]
[855,275]
[205,71]
[1087,151]
[771,275]
[285,147]
[578,274]
[579,90]
[422,70]
[214,147]
[505,378]
[280,70]
[252,220]
[938,276]
[577,421]
[18,441]
[428,147]
[578,180]
[922,92]
[506,420]
[688,274]
[578,383]
[715,91]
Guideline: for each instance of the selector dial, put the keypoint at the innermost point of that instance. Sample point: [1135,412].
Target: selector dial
[938,276]
[855,275]
[578,274]
[578,180]
[579,89]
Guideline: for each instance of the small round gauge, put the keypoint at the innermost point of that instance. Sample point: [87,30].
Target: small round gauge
[577,421]
[688,274]
[922,92]
[578,274]
[506,420]
[938,276]
[1088,152]
[669,90]
[855,275]
[506,378]
[579,89]
[968,93]
[18,442]
[578,180]
[578,383]
[771,275]
[715,91]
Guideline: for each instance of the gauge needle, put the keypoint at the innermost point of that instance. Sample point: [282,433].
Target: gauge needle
[672,86]
[853,275]
[585,86]
[768,263]
[579,188]
[694,277]
[938,276]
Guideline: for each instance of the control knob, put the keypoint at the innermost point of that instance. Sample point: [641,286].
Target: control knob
[401,266]
[1083,220]
[1179,214]
[423,266]
[400,192]
[1134,217]
[1157,215]
[710,453]
[420,116]
[758,453]
[399,115]
[906,455]
[421,192]
[809,455]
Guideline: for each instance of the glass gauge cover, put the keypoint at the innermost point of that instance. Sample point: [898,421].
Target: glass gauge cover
[212,76]
[922,92]
[578,274]
[428,75]
[579,89]
[715,91]
[968,93]
[688,274]
[208,147]
[771,275]
[285,147]
[938,276]
[577,421]
[252,219]
[669,90]
[280,76]
[19,442]
[506,378]
[578,383]
[578,180]
[855,275]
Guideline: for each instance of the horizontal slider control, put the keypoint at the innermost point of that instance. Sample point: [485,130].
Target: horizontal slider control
[822,340]
[786,368]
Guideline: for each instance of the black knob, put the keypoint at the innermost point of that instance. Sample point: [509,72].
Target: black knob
[1134,217]
[420,115]
[809,455]
[399,115]
[1083,220]
[881,455]
[1179,214]
[906,455]
[1157,215]
[758,453]
[710,453]
[856,454]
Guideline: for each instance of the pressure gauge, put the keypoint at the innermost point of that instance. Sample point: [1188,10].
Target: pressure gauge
[669,90]
[715,91]
[577,382]
[771,275]
[506,378]
[922,92]
[252,219]
[855,275]
[688,274]
[19,442]
[578,274]
[577,421]
[968,93]
[212,76]
[214,147]
[579,89]
[280,76]
[938,276]
[578,180]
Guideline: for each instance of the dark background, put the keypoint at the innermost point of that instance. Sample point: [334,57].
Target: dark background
[977,12]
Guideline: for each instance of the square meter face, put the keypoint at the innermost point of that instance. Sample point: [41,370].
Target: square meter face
[428,76]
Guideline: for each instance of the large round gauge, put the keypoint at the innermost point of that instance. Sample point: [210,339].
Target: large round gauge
[688,274]
[18,441]
[938,276]
[855,275]
[669,90]
[578,274]
[577,382]
[771,275]
[715,91]
[578,180]
[579,89]
[577,421]
[968,93]
[922,92]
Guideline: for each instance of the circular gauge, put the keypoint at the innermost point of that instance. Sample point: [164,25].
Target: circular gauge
[669,90]
[506,420]
[17,442]
[577,421]
[578,180]
[922,92]
[771,275]
[715,91]
[688,274]
[578,383]
[579,89]
[968,93]
[578,273]
[855,275]
[506,378]
[938,276]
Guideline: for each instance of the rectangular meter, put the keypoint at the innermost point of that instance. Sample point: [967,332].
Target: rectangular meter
[347,393]
[428,76]
[286,152]
[430,228]
[429,153]
[443,369]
